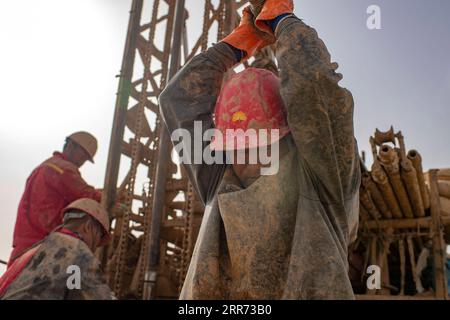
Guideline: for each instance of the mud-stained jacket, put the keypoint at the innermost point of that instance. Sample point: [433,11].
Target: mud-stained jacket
[285,236]
[52,273]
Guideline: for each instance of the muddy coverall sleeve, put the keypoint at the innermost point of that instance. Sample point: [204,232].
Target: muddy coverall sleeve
[320,112]
[189,97]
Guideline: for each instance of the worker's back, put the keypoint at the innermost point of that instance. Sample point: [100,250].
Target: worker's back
[51,186]
[51,274]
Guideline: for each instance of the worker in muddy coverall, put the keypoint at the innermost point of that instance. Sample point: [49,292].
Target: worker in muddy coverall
[63,265]
[50,188]
[279,236]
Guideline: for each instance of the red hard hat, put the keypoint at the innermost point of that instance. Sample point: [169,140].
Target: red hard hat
[250,99]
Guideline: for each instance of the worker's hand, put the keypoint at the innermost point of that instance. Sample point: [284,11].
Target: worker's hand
[120,196]
[247,37]
[270,10]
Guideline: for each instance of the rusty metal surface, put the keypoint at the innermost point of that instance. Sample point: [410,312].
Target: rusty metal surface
[376,195]
[445,206]
[158,204]
[444,174]
[416,159]
[409,177]
[363,214]
[145,89]
[391,163]
[380,138]
[444,188]
[381,179]
[368,204]
[181,218]
[135,150]
[132,219]
[439,246]
[402,238]
[125,78]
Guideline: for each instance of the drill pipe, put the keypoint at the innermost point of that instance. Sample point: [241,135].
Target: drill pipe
[390,162]
[367,203]
[376,195]
[444,188]
[416,159]
[445,206]
[411,181]
[444,174]
[364,215]
[381,179]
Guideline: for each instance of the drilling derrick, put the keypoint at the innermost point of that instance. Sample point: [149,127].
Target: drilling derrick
[155,212]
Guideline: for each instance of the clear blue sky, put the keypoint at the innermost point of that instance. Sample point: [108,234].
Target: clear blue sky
[59,60]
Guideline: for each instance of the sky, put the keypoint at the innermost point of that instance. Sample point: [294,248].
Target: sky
[59,61]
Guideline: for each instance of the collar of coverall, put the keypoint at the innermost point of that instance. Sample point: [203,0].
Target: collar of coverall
[60,155]
[71,233]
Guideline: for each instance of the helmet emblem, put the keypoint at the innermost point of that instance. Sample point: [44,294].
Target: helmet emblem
[239,116]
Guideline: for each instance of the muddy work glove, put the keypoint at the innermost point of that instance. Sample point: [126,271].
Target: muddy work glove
[271,12]
[247,37]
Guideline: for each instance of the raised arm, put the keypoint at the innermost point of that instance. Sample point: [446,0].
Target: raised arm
[320,112]
[192,94]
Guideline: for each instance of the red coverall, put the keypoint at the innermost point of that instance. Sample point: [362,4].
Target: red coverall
[50,188]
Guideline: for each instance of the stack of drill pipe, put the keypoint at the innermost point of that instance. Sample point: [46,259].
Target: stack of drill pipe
[411,180]
[381,179]
[416,160]
[377,196]
[391,163]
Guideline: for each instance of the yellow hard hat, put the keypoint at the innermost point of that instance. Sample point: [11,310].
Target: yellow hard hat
[87,141]
[96,211]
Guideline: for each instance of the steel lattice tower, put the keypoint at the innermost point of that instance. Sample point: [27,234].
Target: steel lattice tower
[154,210]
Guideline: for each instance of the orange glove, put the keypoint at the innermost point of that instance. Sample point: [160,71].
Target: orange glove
[247,37]
[271,10]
